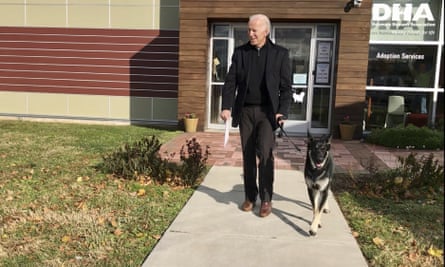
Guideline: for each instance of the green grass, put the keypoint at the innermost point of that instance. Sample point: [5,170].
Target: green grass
[57,209]
[394,232]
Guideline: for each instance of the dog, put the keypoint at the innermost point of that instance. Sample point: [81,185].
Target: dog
[318,174]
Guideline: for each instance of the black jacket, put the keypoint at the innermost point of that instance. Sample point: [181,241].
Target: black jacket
[277,76]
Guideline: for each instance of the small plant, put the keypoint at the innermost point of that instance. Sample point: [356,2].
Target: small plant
[193,160]
[190,115]
[414,178]
[371,166]
[139,158]
[421,173]
[346,120]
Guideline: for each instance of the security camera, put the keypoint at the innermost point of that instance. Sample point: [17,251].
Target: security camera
[349,5]
[352,3]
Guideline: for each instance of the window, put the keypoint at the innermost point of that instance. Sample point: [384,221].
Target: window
[404,52]
[401,65]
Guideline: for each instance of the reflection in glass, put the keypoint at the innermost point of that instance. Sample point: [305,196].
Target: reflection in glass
[215,104]
[298,41]
[221,30]
[439,112]
[320,108]
[240,36]
[418,106]
[403,66]
[415,102]
[325,31]
[441,74]
[219,60]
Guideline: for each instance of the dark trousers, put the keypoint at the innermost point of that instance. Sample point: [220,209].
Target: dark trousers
[257,141]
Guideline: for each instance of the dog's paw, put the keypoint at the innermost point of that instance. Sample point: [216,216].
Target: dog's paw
[313,232]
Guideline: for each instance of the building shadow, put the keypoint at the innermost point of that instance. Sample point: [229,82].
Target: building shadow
[154,72]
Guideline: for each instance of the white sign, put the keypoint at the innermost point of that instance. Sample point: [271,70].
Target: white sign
[397,12]
[322,75]
[324,52]
[415,20]
[299,78]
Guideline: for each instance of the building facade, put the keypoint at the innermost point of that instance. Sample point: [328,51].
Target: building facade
[91,60]
[153,61]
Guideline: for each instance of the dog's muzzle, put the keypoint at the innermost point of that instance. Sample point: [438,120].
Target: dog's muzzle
[316,186]
[321,164]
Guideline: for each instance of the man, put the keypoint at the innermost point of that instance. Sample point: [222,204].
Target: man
[257,95]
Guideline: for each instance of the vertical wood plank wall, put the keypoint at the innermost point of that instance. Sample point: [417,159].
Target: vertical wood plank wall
[353,40]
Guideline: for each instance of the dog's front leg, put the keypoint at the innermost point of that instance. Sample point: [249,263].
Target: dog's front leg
[325,208]
[315,198]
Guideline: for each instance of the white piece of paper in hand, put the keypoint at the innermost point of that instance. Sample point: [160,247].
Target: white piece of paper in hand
[227,131]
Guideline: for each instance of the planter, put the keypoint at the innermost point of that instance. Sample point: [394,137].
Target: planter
[347,131]
[190,125]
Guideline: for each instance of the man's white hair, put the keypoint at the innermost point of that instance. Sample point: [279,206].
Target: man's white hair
[262,17]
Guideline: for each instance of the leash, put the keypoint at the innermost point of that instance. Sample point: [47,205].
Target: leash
[283,132]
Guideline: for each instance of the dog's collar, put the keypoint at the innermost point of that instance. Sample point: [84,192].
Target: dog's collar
[322,164]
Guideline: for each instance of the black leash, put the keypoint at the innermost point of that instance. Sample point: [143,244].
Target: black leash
[283,132]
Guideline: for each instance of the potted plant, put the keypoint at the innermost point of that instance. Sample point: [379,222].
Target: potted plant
[190,122]
[347,128]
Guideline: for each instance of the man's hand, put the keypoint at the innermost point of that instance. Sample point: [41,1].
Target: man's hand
[225,114]
[280,118]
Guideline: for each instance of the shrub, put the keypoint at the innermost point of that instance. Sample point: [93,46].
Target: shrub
[193,160]
[142,160]
[139,158]
[415,177]
[407,137]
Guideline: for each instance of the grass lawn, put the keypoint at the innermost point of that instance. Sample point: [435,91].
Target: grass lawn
[393,232]
[57,209]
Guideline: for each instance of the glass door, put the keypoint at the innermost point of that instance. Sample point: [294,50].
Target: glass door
[298,40]
[311,51]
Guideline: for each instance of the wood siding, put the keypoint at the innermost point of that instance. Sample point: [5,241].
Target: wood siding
[89,61]
[352,57]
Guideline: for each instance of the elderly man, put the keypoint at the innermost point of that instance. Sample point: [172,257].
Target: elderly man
[257,95]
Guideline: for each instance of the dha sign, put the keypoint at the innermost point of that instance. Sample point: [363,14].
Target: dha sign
[384,12]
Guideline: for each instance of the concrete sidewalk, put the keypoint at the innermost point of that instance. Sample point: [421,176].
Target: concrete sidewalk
[211,230]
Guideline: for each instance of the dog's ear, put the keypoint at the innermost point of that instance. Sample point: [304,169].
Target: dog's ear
[309,135]
[329,138]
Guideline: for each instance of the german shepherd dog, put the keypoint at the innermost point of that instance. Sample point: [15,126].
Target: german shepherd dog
[318,172]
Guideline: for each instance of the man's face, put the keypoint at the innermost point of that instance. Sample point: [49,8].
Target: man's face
[257,32]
